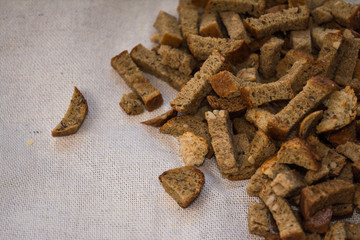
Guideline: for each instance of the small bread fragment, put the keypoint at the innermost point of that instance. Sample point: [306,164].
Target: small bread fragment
[74,116]
[221,140]
[189,98]
[330,53]
[193,149]
[289,59]
[131,104]
[322,15]
[177,59]
[316,197]
[285,219]
[148,61]
[234,26]
[318,35]
[256,183]
[242,126]
[232,105]
[301,40]
[252,7]
[316,89]
[259,117]
[235,51]
[337,231]
[287,183]
[162,119]
[297,151]
[183,184]
[309,123]
[344,135]
[210,26]
[272,168]
[346,14]
[319,223]
[270,56]
[350,150]
[134,78]
[258,219]
[259,94]
[188,18]
[248,75]
[169,29]
[346,173]
[288,19]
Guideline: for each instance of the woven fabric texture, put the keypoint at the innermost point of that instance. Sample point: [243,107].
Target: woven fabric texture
[101,183]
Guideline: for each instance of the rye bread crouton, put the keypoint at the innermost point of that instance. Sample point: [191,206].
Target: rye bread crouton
[256,183]
[309,122]
[316,89]
[319,223]
[270,56]
[74,116]
[318,35]
[252,7]
[346,14]
[286,221]
[337,231]
[322,15]
[261,148]
[287,183]
[183,184]
[193,149]
[188,18]
[259,117]
[301,40]
[202,47]
[346,173]
[135,79]
[316,197]
[258,219]
[342,210]
[221,140]
[131,104]
[234,26]
[289,59]
[351,150]
[242,126]
[248,75]
[341,110]
[297,151]
[272,168]
[162,119]
[296,18]
[189,98]
[210,25]
[169,29]
[355,167]
[357,198]
[344,135]
[232,105]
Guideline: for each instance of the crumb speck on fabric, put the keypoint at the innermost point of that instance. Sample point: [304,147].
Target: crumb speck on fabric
[30,143]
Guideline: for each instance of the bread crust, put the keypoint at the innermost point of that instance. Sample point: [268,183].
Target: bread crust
[162,119]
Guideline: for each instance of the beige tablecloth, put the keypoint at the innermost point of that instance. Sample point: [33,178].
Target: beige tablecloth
[101,183]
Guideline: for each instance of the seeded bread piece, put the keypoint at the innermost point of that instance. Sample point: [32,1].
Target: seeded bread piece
[337,231]
[232,105]
[169,29]
[134,78]
[287,183]
[319,223]
[355,167]
[297,151]
[332,163]
[316,89]
[342,210]
[318,35]
[221,140]
[290,58]
[188,18]
[131,104]
[226,85]
[256,183]
[181,124]
[234,26]
[330,53]
[346,14]
[350,150]
[319,196]
[183,184]
[259,117]
[272,168]
[74,116]
[344,135]
[270,56]
[357,198]
[349,54]
[263,93]
[193,149]
[177,59]
[322,15]
[301,40]
[201,48]
[148,61]
[296,18]
[242,126]
[285,219]
[341,110]
[252,7]
[189,98]
[258,219]
[346,173]
[210,25]
[309,122]
[162,119]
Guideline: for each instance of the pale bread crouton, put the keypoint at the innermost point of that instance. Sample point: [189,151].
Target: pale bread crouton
[272,168]
[183,184]
[346,173]
[344,135]
[193,149]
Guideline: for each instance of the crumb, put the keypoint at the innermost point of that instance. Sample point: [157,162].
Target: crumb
[30,143]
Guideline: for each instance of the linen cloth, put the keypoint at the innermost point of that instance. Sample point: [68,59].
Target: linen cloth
[101,183]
